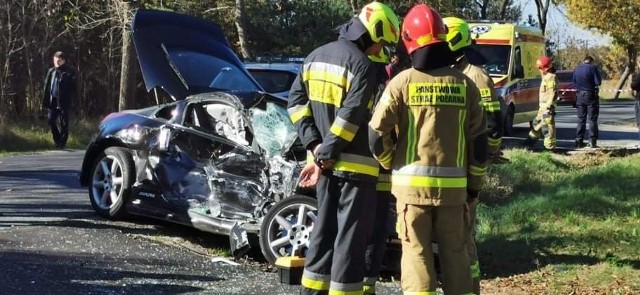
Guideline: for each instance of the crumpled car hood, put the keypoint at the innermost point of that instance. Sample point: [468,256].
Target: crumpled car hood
[186,55]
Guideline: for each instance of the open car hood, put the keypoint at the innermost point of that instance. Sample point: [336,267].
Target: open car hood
[185,55]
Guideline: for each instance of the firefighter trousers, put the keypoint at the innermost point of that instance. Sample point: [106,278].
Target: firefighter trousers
[335,261]
[471,246]
[418,226]
[544,125]
[377,243]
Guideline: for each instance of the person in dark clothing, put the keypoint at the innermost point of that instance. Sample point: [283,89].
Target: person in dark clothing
[635,86]
[58,96]
[586,79]
[393,68]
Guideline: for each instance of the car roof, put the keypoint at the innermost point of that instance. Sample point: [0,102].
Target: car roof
[289,66]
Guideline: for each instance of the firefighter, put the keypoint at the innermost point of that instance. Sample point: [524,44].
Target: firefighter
[377,242]
[459,39]
[470,63]
[545,119]
[438,156]
[330,104]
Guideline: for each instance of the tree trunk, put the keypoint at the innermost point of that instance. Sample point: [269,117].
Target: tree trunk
[354,6]
[628,70]
[542,9]
[483,8]
[127,72]
[239,20]
[503,9]
[127,68]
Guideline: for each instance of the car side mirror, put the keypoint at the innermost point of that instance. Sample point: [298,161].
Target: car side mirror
[518,72]
[164,136]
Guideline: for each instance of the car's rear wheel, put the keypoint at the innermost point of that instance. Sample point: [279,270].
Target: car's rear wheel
[112,175]
[286,228]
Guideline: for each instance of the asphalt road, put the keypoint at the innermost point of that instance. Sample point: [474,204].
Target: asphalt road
[51,241]
[616,123]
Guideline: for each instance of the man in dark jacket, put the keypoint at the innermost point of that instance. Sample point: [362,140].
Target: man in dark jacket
[58,96]
[635,86]
[586,78]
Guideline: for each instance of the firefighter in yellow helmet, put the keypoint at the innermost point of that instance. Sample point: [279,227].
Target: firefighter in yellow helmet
[545,119]
[467,60]
[383,221]
[438,157]
[470,63]
[330,103]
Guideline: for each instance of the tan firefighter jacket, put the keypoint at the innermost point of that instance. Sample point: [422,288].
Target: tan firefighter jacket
[548,91]
[490,102]
[440,151]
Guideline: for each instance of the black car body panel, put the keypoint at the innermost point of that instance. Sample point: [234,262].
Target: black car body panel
[215,159]
[186,56]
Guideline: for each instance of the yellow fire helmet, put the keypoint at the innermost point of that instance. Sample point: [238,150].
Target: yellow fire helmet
[383,26]
[458,35]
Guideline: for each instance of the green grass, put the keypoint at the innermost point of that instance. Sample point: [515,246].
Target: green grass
[28,136]
[571,223]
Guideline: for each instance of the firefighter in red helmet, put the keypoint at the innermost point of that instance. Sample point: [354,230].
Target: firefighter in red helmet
[429,127]
[545,123]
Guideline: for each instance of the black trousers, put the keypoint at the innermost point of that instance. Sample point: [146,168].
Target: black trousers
[588,107]
[377,244]
[637,108]
[346,210]
[60,131]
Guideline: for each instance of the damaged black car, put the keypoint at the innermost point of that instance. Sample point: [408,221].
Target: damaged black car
[223,157]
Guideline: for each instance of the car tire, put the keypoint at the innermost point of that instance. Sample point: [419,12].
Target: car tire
[112,175]
[508,121]
[287,226]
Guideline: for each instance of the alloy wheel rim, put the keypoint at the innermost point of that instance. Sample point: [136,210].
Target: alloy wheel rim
[107,182]
[290,230]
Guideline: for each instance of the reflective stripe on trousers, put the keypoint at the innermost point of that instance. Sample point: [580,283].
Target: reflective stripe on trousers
[416,224]
[336,248]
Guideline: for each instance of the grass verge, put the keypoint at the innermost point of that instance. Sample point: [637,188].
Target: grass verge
[29,136]
[556,224]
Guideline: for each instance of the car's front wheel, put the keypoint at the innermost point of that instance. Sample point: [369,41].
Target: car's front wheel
[286,228]
[112,175]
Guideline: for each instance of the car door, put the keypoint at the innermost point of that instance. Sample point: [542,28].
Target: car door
[213,167]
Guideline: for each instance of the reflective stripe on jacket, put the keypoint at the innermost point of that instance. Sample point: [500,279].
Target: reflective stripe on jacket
[329,103]
[490,103]
[548,91]
[440,124]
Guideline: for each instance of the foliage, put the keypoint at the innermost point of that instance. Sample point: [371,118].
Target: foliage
[618,18]
[610,59]
[90,33]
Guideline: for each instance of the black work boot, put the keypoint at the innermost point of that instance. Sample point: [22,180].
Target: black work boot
[580,144]
[592,144]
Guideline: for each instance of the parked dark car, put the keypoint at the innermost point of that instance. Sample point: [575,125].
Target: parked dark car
[566,89]
[275,75]
[221,158]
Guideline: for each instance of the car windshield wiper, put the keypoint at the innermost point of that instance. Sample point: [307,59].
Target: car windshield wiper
[174,67]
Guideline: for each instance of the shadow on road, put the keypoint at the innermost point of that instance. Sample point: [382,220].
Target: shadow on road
[27,272]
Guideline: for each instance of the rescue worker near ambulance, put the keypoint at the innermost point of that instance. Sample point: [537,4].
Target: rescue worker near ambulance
[439,157]
[330,103]
[545,119]
[459,39]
